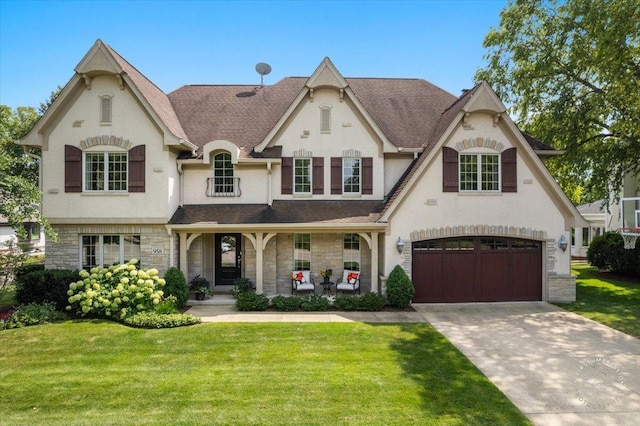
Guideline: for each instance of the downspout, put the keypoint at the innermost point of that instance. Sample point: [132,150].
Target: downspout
[180,185]
[269,194]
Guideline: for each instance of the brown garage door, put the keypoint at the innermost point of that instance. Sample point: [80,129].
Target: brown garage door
[477,269]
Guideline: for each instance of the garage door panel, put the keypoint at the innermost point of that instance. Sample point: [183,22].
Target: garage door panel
[457,274]
[492,277]
[527,274]
[429,265]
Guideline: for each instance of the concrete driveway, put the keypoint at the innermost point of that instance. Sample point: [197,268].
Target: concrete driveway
[558,368]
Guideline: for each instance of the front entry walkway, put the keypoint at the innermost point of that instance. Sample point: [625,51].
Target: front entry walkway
[558,368]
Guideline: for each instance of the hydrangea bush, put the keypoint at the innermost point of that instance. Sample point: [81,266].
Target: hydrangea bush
[116,292]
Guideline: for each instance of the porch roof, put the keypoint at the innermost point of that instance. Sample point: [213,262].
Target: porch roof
[292,212]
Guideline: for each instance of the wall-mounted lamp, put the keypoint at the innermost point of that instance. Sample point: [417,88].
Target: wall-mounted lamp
[400,245]
[562,243]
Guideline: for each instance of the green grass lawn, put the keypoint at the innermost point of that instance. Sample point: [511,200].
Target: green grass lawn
[607,299]
[95,372]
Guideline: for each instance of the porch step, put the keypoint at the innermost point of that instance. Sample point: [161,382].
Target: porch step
[216,299]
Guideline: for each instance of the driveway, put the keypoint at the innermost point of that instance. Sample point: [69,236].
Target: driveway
[558,368]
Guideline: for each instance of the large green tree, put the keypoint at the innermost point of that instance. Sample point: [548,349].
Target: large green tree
[570,73]
[19,190]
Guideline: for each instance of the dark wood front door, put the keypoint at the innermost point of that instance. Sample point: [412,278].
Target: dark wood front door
[228,254]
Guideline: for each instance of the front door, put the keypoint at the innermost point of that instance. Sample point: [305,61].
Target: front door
[228,253]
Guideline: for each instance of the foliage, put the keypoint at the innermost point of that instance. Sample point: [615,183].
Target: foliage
[19,192]
[199,284]
[115,292]
[176,285]
[167,305]
[32,314]
[570,71]
[286,303]
[252,301]
[315,303]
[151,319]
[241,285]
[45,285]
[400,289]
[371,302]
[11,259]
[607,252]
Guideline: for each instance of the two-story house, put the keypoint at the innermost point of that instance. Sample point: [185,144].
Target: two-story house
[310,173]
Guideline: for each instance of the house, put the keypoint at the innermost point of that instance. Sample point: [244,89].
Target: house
[34,243]
[310,173]
[623,214]
[595,215]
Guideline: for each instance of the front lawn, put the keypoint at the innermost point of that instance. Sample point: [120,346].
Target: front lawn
[606,298]
[96,372]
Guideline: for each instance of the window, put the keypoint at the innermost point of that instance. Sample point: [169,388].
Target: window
[105,171]
[223,174]
[302,175]
[325,120]
[302,252]
[105,250]
[105,110]
[351,252]
[480,172]
[585,237]
[350,175]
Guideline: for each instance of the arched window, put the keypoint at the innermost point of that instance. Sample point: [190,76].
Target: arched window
[223,174]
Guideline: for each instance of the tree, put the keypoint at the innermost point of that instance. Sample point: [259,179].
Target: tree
[570,73]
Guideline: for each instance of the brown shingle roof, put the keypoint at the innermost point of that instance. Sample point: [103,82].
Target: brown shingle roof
[282,211]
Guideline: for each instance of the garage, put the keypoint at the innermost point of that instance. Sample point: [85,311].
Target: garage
[477,269]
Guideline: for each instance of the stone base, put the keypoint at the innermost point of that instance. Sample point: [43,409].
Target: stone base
[561,288]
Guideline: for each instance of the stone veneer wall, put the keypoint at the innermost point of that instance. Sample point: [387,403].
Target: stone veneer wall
[155,244]
[561,288]
[194,258]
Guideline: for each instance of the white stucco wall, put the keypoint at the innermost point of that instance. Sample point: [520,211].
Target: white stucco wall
[253,184]
[532,207]
[394,167]
[129,121]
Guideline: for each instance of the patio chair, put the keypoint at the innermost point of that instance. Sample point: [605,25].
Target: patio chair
[302,281]
[350,281]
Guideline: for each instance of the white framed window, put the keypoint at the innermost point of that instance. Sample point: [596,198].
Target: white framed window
[223,174]
[351,252]
[105,109]
[105,250]
[301,252]
[105,171]
[479,172]
[302,174]
[325,119]
[351,175]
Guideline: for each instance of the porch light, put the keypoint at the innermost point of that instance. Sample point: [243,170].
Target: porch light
[400,245]
[562,243]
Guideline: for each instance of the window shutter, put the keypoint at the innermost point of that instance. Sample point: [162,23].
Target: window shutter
[449,170]
[336,175]
[137,169]
[367,175]
[509,170]
[286,178]
[72,169]
[318,175]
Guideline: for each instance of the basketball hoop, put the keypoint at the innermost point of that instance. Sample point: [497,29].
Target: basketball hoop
[629,236]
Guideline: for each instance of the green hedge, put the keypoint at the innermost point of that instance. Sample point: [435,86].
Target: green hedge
[607,252]
[48,285]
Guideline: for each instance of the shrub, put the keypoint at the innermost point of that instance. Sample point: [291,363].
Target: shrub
[115,292]
[11,259]
[176,285]
[371,302]
[346,303]
[607,252]
[48,285]
[400,289]
[152,319]
[314,302]
[252,302]
[286,303]
[167,305]
[242,285]
[32,314]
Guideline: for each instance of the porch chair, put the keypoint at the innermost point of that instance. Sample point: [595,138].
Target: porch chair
[350,281]
[302,281]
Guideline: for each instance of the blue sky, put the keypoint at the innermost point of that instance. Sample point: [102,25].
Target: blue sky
[215,42]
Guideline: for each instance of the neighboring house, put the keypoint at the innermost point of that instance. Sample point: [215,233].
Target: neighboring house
[595,215]
[35,236]
[307,174]
[625,211]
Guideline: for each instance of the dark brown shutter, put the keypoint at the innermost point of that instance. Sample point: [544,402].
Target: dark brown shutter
[72,169]
[318,175]
[509,170]
[286,176]
[367,175]
[449,170]
[137,169]
[336,175]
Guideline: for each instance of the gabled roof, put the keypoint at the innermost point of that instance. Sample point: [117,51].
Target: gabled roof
[596,207]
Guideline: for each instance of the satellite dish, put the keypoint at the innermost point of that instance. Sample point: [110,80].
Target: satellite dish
[263,69]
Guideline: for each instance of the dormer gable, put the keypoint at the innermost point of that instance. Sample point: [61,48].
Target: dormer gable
[326,76]
[99,61]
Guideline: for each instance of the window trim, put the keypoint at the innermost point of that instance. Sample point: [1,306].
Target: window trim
[479,173]
[309,168]
[306,238]
[354,239]
[106,172]
[344,183]
[99,255]
[228,184]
